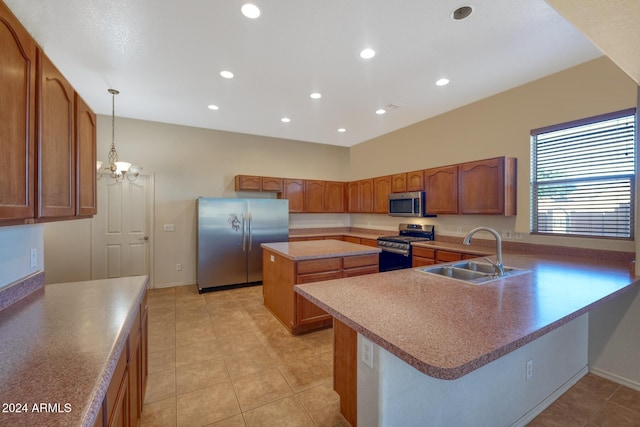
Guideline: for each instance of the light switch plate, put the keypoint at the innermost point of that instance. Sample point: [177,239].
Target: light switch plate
[34,258]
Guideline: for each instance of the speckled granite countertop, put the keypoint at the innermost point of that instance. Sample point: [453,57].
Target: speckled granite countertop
[59,345]
[434,244]
[447,328]
[317,249]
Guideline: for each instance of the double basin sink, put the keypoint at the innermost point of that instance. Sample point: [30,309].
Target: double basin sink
[472,272]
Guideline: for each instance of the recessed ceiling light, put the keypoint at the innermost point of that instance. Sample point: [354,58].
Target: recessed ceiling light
[342,130]
[462,13]
[442,82]
[250,11]
[381,111]
[316,95]
[226,74]
[285,120]
[213,107]
[367,53]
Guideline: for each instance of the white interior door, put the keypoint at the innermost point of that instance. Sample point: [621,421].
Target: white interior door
[121,245]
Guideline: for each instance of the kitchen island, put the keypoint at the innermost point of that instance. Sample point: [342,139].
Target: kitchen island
[286,264]
[446,352]
[74,354]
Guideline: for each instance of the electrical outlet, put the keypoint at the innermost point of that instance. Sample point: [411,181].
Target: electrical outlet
[506,234]
[272,258]
[529,369]
[459,231]
[169,227]
[367,352]
[178,267]
[518,236]
[34,258]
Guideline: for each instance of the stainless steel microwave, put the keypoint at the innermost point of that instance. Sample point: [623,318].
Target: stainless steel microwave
[407,204]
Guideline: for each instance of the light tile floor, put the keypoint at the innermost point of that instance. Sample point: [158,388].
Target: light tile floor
[222,359]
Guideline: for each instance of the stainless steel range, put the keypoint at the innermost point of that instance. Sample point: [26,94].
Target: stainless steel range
[396,250]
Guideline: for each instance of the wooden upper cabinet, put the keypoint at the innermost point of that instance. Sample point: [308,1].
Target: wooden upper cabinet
[334,197]
[313,196]
[247,183]
[353,197]
[381,191]
[366,195]
[441,189]
[17,115]
[86,201]
[488,186]
[56,147]
[399,183]
[293,190]
[270,184]
[415,181]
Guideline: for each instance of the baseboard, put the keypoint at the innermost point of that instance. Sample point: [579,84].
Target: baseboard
[171,285]
[537,410]
[615,378]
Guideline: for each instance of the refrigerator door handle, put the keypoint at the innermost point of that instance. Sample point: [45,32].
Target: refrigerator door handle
[250,232]
[244,240]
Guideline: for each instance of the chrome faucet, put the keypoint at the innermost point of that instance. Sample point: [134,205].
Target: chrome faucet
[499,267]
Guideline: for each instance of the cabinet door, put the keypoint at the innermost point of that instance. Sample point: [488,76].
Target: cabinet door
[270,184]
[56,147]
[415,181]
[366,195]
[334,196]
[381,190]
[399,183]
[481,186]
[441,189]
[86,201]
[313,196]
[247,183]
[293,190]
[353,196]
[17,115]
[305,311]
[447,256]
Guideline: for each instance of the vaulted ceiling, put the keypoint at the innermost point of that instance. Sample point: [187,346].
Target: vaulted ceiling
[165,58]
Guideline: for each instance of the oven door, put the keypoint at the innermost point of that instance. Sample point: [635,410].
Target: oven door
[394,259]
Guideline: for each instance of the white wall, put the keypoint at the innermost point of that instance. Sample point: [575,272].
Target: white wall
[16,243]
[498,394]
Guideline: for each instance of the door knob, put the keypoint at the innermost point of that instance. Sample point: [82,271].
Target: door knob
[144,238]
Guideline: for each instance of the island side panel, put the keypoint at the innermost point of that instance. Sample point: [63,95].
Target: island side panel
[277,286]
[345,368]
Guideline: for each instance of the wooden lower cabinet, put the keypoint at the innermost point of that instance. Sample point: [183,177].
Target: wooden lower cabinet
[428,256]
[122,404]
[345,370]
[281,274]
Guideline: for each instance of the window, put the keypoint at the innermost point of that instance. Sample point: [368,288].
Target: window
[582,177]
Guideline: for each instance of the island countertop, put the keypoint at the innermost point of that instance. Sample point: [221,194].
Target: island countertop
[446,328]
[59,346]
[318,249]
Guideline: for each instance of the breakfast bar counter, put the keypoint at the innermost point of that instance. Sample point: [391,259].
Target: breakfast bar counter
[62,347]
[428,344]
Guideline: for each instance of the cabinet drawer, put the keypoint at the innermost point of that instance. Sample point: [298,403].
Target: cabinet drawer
[423,252]
[446,256]
[319,265]
[369,242]
[360,261]
[318,277]
[351,239]
[360,271]
[417,261]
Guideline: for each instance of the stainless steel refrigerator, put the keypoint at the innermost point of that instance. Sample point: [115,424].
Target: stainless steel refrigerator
[230,232]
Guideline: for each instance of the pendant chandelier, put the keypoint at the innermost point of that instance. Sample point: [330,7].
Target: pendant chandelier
[117,170]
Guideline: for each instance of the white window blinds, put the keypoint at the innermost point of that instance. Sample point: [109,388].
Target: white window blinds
[582,177]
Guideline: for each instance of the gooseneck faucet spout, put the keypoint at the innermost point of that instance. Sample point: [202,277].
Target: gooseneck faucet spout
[499,267]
